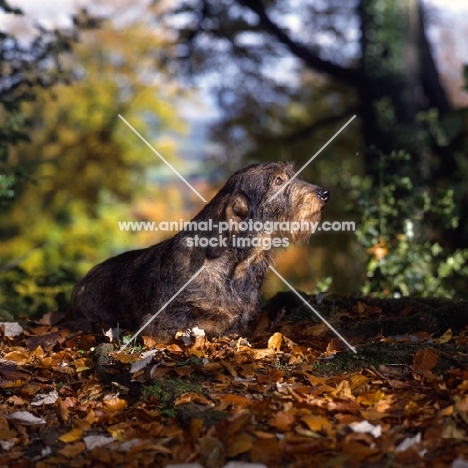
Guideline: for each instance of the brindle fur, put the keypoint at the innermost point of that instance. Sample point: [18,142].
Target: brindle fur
[128,289]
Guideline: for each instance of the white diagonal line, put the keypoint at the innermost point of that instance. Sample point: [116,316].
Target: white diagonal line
[164,160]
[352,348]
[162,308]
[312,158]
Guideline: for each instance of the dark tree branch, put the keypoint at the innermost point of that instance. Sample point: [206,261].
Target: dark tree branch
[308,130]
[313,61]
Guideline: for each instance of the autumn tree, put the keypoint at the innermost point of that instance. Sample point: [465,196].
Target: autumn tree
[285,71]
[83,164]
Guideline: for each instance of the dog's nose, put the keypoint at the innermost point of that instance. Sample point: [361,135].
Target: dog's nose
[323,194]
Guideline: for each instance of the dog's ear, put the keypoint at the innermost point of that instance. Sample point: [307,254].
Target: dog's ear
[236,210]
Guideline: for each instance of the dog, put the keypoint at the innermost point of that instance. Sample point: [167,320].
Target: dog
[225,239]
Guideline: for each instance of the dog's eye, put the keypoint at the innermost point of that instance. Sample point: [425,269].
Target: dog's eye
[279,181]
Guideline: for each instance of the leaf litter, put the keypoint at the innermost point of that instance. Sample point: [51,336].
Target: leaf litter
[289,396]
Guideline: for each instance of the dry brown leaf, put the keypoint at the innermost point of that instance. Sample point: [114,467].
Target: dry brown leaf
[240,444]
[192,398]
[173,348]
[260,353]
[425,359]
[211,451]
[316,330]
[149,341]
[126,358]
[317,423]
[237,401]
[19,357]
[283,420]
[184,371]
[230,368]
[83,364]
[357,381]
[335,344]
[271,377]
[72,450]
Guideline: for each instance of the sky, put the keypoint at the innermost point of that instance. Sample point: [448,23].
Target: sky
[57,13]
[54,12]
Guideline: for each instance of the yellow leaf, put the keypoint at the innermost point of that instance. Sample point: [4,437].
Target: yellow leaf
[357,381]
[114,404]
[117,433]
[445,338]
[275,341]
[83,364]
[72,436]
[19,357]
[196,352]
[316,423]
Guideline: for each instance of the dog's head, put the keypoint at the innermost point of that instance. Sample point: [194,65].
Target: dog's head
[269,201]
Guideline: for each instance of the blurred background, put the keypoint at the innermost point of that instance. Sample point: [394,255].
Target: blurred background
[214,85]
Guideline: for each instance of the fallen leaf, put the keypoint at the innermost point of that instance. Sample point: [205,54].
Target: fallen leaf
[425,359]
[191,398]
[316,423]
[71,436]
[24,418]
[72,450]
[19,357]
[11,328]
[445,338]
[51,318]
[240,444]
[316,330]
[283,420]
[83,364]
[407,443]
[275,341]
[273,376]
[114,404]
[237,401]
[94,441]
[211,451]
[364,427]
[45,399]
[173,348]
[142,363]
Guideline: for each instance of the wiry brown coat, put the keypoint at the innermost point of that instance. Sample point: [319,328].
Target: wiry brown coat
[127,290]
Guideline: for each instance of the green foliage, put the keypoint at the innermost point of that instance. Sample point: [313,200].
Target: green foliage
[6,189]
[166,390]
[69,167]
[26,69]
[25,294]
[397,220]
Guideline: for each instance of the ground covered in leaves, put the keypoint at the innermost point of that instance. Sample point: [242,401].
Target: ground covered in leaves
[292,395]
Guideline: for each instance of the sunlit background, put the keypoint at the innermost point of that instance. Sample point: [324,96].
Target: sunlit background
[214,86]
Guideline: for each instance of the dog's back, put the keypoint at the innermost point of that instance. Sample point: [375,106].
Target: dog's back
[127,290]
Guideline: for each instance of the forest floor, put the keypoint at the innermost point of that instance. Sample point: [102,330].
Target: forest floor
[291,395]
